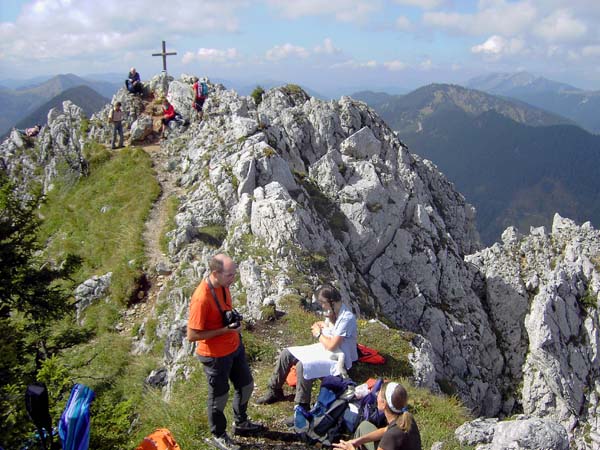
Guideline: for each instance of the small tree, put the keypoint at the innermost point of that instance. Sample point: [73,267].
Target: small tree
[257,95]
[31,301]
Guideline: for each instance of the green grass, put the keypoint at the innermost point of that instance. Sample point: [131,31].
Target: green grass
[212,235]
[123,186]
[293,89]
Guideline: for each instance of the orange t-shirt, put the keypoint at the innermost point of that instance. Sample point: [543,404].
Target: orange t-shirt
[204,315]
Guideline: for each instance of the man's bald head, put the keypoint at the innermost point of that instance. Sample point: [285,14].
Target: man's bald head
[223,269]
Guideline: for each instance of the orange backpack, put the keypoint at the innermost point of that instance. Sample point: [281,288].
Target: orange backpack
[159,439]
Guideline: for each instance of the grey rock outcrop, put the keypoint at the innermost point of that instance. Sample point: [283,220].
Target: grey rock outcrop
[329,187]
[90,291]
[301,191]
[542,297]
[522,433]
[57,151]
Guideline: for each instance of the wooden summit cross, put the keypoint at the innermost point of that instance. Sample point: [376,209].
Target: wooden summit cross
[164,55]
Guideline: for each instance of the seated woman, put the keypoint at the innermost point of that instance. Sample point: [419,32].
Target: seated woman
[315,361]
[401,432]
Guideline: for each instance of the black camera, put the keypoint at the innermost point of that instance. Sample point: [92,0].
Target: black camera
[232,318]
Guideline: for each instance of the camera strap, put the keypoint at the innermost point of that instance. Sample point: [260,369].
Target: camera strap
[214,295]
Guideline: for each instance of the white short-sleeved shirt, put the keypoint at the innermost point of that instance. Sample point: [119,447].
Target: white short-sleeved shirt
[316,360]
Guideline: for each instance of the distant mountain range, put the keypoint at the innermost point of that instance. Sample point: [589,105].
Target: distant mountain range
[517,164]
[406,113]
[583,107]
[16,104]
[83,96]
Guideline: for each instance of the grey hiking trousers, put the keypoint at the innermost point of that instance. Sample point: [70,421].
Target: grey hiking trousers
[219,371]
[285,361]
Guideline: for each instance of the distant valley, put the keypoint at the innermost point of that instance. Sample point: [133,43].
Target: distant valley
[515,163]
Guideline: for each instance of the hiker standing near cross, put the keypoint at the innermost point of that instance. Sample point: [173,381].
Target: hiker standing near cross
[164,55]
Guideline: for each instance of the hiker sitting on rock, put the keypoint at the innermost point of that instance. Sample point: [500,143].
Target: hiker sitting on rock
[133,82]
[315,361]
[401,433]
[169,114]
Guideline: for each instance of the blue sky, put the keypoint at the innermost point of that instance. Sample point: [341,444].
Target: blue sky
[321,44]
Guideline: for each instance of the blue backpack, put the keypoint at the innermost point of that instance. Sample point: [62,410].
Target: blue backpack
[202,89]
[325,423]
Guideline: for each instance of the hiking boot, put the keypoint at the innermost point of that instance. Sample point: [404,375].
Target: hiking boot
[247,427]
[272,396]
[223,442]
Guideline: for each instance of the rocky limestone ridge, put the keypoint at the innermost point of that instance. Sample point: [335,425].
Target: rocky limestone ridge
[302,191]
[541,293]
[306,191]
[56,152]
[326,191]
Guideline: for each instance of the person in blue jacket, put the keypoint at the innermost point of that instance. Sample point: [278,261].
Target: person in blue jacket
[133,82]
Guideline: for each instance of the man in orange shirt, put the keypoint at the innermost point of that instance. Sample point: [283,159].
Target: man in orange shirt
[220,349]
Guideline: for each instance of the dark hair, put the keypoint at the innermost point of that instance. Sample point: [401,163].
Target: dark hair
[399,402]
[330,293]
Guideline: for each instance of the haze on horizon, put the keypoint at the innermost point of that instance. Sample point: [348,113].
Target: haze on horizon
[320,44]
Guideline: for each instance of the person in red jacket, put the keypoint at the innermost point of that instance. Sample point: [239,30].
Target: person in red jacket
[168,115]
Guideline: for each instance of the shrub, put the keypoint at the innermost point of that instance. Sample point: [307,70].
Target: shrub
[257,95]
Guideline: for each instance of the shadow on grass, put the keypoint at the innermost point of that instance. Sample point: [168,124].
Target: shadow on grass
[273,439]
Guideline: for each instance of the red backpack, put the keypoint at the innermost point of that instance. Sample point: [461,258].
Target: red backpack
[369,355]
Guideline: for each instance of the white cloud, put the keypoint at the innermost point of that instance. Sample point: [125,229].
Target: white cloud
[495,16]
[327,47]
[353,64]
[560,26]
[395,66]
[403,23]
[341,10]
[425,4]
[212,55]
[498,46]
[55,29]
[284,51]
